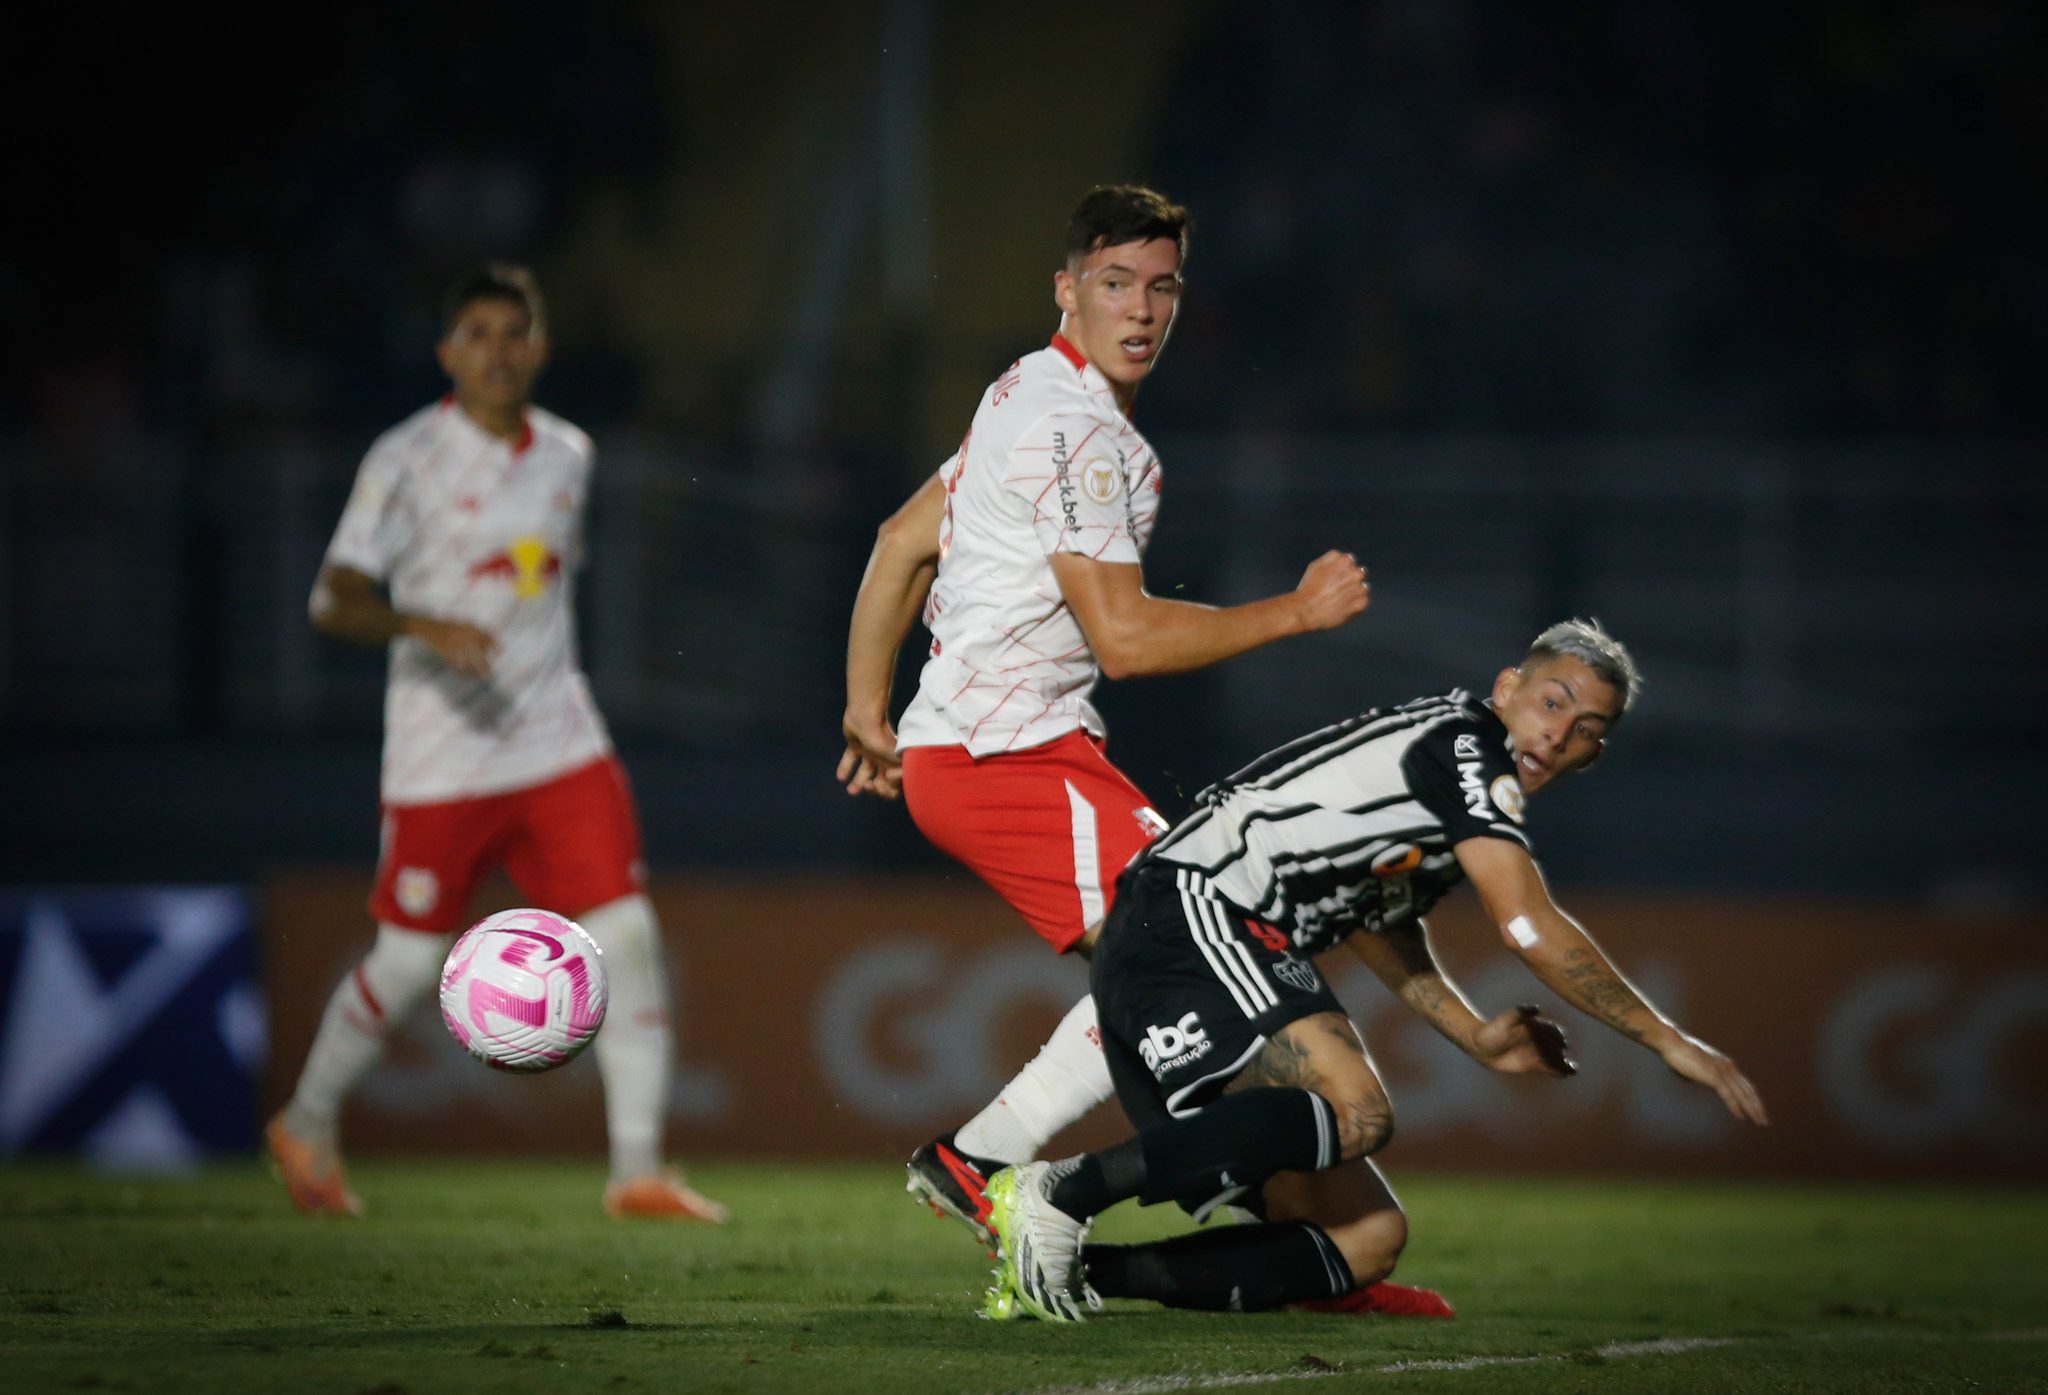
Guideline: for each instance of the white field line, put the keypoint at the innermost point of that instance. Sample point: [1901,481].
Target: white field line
[1613,1351]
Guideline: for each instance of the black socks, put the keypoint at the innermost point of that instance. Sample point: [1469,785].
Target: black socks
[1238,1268]
[1231,1147]
[1100,1180]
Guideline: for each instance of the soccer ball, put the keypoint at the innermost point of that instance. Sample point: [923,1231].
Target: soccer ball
[524,990]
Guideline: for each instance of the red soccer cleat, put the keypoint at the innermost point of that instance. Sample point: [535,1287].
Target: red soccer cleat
[312,1174]
[954,1185]
[662,1195]
[1395,1300]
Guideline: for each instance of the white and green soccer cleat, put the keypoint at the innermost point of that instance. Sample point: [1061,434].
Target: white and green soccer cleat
[1040,1246]
[1000,1303]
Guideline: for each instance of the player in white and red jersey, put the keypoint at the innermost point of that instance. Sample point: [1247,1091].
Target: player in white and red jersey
[1024,554]
[470,513]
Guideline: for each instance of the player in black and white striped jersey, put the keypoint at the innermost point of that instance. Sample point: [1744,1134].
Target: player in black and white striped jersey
[1291,839]
[1246,1081]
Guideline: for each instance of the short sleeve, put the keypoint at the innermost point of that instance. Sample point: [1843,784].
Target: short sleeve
[1069,470]
[376,524]
[1464,775]
[579,501]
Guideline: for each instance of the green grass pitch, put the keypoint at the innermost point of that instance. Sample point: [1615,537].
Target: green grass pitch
[505,1278]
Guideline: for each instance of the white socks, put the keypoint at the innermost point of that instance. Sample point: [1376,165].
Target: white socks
[635,1044]
[1067,1078]
[400,967]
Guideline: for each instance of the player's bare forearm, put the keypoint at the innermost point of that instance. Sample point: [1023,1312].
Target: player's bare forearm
[1401,959]
[1155,636]
[1567,961]
[1135,634]
[347,604]
[1560,953]
[891,596]
[1554,946]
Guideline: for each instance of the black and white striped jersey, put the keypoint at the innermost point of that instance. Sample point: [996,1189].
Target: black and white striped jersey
[1351,827]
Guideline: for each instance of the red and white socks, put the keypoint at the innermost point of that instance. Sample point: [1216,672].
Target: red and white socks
[398,971]
[1067,1078]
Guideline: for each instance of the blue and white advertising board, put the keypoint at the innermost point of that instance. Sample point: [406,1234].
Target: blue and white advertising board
[132,1025]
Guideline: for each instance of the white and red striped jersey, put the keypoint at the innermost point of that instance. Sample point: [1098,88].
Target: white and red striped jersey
[1051,465]
[464,525]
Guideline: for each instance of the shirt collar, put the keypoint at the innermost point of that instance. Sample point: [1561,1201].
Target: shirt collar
[518,447]
[1091,376]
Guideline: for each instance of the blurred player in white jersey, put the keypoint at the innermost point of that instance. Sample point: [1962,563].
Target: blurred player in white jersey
[1024,555]
[470,513]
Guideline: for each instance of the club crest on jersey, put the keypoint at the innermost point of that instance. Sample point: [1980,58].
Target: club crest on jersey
[528,562]
[1507,796]
[1164,1048]
[1296,974]
[1102,481]
[416,890]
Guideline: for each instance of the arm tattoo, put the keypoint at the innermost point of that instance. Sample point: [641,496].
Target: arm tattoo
[1606,996]
[1411,947]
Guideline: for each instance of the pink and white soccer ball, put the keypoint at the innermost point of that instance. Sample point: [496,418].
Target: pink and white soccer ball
[524,990]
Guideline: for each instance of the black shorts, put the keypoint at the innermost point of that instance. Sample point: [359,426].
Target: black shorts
[1188,989]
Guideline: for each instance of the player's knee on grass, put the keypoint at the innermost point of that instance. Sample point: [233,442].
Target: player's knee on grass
[1371,1245]
[1353,1205]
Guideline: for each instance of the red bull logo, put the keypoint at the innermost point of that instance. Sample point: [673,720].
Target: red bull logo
[528,563]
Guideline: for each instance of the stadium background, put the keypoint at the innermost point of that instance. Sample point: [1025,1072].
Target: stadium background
[1725,327]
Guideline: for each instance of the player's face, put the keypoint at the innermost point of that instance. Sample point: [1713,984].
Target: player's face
[1557,713]
[1119,305]
[493,353]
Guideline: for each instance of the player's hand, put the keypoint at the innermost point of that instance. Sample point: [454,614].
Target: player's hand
[463,647]
[870,765]
[1522,1041]
[1703,1065]
[1332,591]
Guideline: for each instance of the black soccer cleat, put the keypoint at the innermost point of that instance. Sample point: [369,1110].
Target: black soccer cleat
[954,1184]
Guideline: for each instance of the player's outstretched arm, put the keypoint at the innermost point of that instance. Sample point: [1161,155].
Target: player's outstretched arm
[1518,1041]
[348,605]
[892,592]
[1134,634]
[1560,953]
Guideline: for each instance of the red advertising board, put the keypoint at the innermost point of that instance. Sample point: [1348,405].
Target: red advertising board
[855,1017]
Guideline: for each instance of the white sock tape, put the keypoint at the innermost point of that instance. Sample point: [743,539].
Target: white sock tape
[1523,932]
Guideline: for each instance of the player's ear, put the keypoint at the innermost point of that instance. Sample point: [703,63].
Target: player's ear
[1063,291]
[444,354]
[1504,685]
[1599,750]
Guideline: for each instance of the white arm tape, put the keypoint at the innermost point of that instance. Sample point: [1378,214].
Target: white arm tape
[1522,932]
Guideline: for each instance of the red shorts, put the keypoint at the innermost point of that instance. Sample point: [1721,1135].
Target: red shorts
[1049,828]
[571,845]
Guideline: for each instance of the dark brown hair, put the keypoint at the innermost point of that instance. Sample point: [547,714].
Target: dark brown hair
[1113,214]
[494,281]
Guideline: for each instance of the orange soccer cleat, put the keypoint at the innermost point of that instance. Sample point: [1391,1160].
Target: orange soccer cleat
[662,1194]
[313,1174]
[1395,1300]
